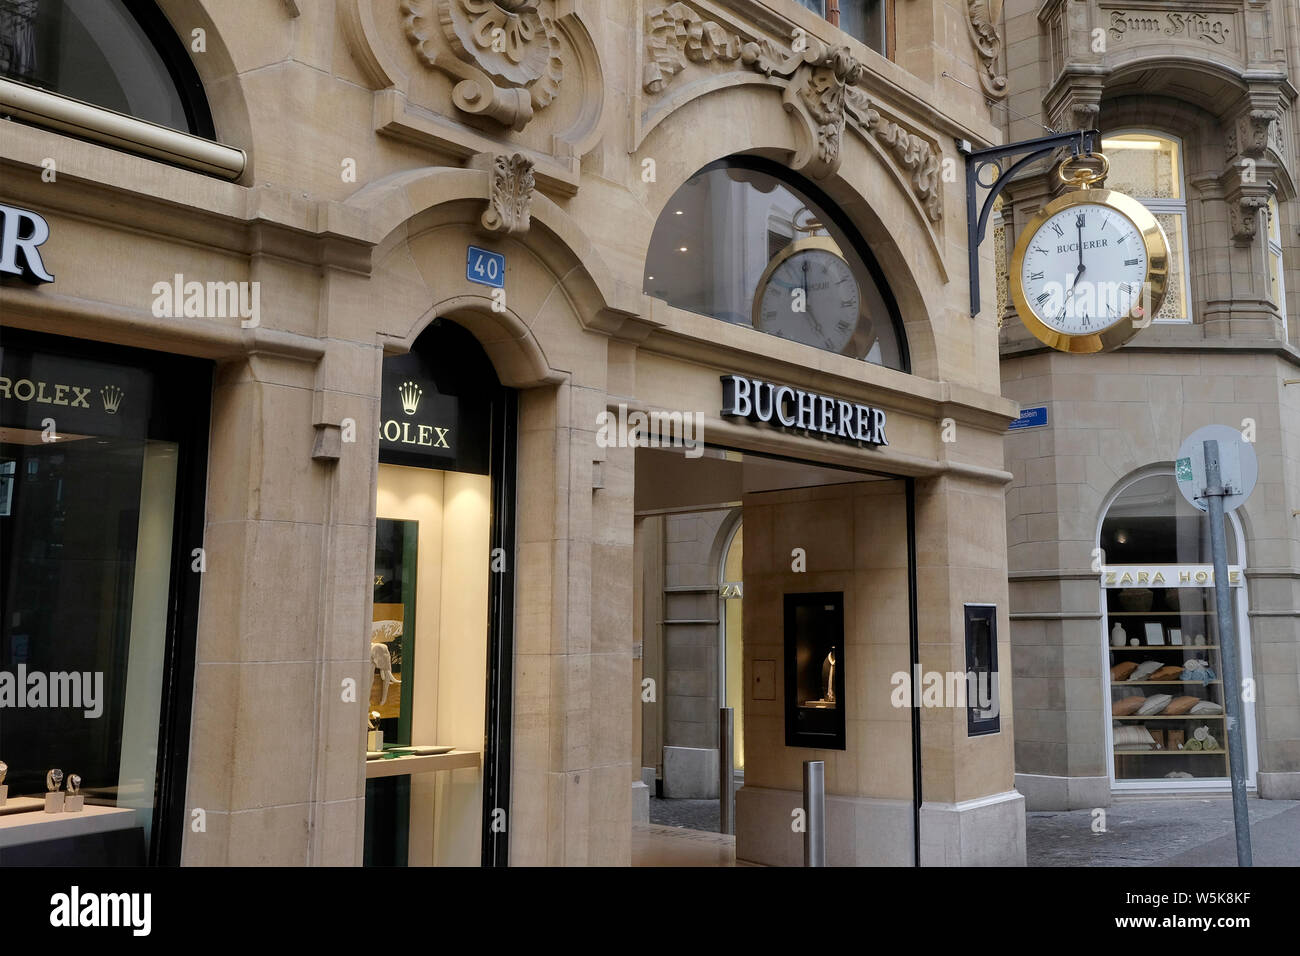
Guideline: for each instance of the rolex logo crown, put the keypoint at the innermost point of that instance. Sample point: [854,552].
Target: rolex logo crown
[410,393]
[112,398]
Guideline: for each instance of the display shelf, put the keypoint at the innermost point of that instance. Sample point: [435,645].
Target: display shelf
[1167,717]
[1170,753]
[397,766]
[1162,613]
[22,805]
[1158,683]
[35,826]
[1134,648]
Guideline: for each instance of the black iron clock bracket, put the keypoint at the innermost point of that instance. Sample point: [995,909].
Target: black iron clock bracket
[978,160]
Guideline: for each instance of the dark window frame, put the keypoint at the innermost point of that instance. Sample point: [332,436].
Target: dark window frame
[171,47]
[187,419]
[976,725]
[836,739]
[173,51]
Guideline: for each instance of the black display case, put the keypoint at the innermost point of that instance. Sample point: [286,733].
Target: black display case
[814,670]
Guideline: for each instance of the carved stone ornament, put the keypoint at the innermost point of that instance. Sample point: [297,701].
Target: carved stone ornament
[505,53]
[1243,216]
[677,34]
[988,44]
[510,192]
[912,152]
[1253,131]
[820,92]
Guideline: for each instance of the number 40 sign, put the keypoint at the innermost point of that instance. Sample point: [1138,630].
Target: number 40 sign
[486,268]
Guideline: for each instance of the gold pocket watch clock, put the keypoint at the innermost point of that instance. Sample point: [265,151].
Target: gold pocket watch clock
[1090,269]
[808,294]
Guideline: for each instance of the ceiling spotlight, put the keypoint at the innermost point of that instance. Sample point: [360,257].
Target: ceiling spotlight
[682,249]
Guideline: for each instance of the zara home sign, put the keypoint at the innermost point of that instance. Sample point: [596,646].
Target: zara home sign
[783,406]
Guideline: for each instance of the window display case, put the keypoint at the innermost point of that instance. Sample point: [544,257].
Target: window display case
[1166,678]
[814,670]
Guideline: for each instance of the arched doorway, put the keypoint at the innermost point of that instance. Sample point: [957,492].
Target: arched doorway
[442,613]
[1164,677]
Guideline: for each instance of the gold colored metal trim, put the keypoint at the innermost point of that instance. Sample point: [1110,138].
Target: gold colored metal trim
[1157,277]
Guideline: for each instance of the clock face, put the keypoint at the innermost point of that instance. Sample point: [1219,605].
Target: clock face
[810,297]
[1084,269]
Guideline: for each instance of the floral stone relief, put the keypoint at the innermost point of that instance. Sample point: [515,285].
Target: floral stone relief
[504,53]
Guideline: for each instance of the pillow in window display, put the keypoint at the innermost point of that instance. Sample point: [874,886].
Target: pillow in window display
[1154,705]
[1133,737]
[1205,672]
[1168,672]
[1207,707]
[1123,670]
[1127,707]
[1181,705]
[1145,670]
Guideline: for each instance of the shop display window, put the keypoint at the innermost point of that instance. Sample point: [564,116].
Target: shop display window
[101,478]
[982,709]
[1164,653]
[814,670]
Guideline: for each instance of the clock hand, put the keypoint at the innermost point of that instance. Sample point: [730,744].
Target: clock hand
[1079,222]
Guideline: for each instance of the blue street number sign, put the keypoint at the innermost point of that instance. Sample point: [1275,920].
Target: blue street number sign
[486,268]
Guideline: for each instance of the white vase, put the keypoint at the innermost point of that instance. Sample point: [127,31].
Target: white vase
[1117,635]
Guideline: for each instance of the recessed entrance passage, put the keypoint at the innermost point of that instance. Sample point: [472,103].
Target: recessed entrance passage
[724,541]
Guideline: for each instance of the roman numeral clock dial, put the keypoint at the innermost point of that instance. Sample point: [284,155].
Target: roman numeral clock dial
[1090,269]
[808,294]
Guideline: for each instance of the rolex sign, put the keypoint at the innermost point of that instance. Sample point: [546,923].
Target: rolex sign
[415,418]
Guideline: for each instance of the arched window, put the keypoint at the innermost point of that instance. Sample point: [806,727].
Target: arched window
[1273,251]
[1149,167]
[1150,522]
[745,241]
[1164,680]
[118,54]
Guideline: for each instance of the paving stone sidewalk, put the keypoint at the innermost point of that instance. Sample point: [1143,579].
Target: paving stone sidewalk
[1166,831]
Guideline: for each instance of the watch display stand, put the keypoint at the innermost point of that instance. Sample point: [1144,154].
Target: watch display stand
[374,740]
[4,793]
[54,802]
[74,802]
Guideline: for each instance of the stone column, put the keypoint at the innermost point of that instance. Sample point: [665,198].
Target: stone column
[971,814]
[573,638]
[275,753]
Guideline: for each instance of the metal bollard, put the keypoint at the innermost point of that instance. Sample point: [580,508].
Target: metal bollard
[814,805]
[726,759]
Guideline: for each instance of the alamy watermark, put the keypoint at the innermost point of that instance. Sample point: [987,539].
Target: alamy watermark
[82,690]
[654,429]
[977,689]
[176,298]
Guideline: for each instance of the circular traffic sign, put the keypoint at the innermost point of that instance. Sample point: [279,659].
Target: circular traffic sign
[1238,466]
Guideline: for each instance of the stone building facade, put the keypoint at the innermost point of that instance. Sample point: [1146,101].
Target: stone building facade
[1196,105]
[469,191]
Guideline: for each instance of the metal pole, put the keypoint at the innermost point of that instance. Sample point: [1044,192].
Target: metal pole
[1228,653]
[726,760]
[814,805]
